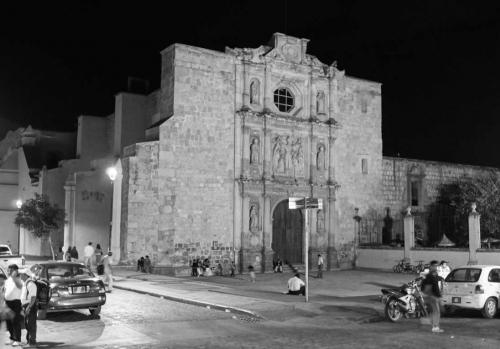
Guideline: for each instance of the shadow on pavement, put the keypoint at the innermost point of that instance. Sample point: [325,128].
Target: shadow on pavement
[70,316]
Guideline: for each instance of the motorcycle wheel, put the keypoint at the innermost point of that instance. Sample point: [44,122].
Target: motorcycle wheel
[392,311]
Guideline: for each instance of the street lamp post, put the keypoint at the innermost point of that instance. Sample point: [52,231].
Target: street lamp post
[19,204]
[112,173]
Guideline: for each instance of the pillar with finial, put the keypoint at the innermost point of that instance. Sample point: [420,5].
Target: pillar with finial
[409,233]
[474,234]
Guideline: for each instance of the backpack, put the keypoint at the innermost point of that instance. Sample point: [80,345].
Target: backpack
[43,292]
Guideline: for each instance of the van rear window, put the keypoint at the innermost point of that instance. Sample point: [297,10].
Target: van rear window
[464,275]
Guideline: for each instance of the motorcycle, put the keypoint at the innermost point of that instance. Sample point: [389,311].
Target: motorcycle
[406,301]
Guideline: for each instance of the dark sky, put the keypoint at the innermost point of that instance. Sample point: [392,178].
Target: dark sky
[439,61]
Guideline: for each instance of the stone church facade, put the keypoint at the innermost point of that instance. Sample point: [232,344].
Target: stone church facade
[240,133]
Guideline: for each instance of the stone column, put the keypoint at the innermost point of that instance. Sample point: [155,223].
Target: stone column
[245,153]
[237,189]
[246,90]
[330,216]
[267,228]
[357,229]
[116,217]
[267,157]
[409,233]
[69,208]
[331,158]
[267,89]
[474,235]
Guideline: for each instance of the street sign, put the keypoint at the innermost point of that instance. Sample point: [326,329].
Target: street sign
[300,203]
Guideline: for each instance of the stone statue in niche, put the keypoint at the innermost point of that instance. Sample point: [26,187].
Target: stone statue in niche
[280,154]
[254,219]
[254,92]
[320,158]
[320,102]
[254,151]
[320,221]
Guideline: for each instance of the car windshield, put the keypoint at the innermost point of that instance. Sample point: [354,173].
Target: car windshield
[4,250]
[68,271]
[464,275]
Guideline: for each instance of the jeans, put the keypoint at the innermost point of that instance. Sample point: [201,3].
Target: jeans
[435,315]
[108,278]
[320,271]
[14,325]
[30,323]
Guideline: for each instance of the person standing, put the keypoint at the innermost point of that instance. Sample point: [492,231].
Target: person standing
[147,265]
[98,254]
[74,253]
[320,266]
[432,292]
[13,287]
[67,255]
[30,305]
[108,277]
[88,253]
[252,273]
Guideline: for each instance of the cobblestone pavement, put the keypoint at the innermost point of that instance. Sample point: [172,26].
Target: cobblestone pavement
[130,320]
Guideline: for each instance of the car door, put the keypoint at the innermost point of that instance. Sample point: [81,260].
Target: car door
[494,282]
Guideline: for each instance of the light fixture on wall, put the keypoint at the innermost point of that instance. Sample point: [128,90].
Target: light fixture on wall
[19,203]
[112,173]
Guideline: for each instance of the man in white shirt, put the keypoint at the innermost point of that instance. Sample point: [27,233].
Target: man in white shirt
[30,305]
[13,286]
[296,286]
[88,252]
[108,278]
[320,266]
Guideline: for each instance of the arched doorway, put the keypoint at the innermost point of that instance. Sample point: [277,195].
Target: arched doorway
[287,233]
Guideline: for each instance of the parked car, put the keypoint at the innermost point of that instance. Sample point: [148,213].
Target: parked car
[7,258]
[473,287]
[73,286]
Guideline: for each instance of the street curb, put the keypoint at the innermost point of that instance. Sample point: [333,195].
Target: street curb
[224,308]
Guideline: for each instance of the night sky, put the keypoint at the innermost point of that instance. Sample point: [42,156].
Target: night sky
[438,61]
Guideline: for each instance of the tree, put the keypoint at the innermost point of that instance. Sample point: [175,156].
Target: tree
[459,195]
[40,217]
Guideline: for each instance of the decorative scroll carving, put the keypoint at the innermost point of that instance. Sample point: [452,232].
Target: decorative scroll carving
[320,158]
[254,150]
[254,218]
[288,156]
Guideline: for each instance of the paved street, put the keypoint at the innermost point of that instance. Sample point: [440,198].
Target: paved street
[133,320]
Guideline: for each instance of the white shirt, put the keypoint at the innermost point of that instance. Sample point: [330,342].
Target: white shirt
[88,251]
[295,283]
[28,291]
[11,290]
[320,260]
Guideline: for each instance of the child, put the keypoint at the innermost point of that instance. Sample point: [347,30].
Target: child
[252,273]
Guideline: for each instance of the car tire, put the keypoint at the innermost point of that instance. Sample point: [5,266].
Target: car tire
[95,311]
[489,310]
[41,314]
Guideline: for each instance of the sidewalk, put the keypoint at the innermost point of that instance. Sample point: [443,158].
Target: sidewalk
[264,298]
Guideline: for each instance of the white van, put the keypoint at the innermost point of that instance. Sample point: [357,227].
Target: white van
[473,287]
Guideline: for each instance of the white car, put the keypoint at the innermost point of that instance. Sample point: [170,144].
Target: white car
[473,287]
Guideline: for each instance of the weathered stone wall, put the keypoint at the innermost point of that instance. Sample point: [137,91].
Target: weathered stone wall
[140,213]
[196,157]
[397,171]
[358,158]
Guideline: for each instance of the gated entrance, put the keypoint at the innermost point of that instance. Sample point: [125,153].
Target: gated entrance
[287,233]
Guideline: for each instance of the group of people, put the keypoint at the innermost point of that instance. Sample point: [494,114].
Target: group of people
[199,268]
[18,303]
[144,265]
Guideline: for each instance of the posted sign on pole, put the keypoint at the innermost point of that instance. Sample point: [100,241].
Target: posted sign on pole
[306,204]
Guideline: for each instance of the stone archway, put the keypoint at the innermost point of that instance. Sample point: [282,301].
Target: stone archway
[287,233]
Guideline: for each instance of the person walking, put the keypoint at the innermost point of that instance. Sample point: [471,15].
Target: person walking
[88,253]
[30,305]
[252,273]
[320,266]
[432,292]
[147,265]
[108,277]
[13,287]
[67,255]
[194,268]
